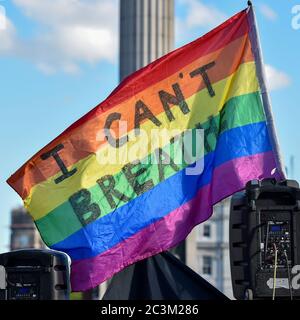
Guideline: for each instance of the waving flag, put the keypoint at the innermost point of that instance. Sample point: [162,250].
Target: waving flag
[109,214]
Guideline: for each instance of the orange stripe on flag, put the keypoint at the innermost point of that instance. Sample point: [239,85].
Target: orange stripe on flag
[82,141]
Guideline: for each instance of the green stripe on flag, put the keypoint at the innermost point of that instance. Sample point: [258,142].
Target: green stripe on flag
[62,221]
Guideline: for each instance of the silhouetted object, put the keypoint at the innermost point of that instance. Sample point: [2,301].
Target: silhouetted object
[161,277]
[34,275]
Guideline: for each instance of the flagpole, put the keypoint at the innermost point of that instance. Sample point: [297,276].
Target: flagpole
[257,51]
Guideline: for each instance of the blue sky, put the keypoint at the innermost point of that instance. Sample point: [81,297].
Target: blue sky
[59,58]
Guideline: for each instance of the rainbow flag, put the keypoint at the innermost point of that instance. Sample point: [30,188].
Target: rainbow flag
[107,214]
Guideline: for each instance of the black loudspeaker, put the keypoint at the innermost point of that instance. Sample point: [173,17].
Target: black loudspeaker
[34,275]
[264,240]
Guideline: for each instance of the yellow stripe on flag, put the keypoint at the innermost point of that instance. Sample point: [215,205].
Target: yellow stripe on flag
[46,196]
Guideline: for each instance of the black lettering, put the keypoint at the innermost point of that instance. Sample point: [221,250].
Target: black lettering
[202,71]
[116,143]
[223,120]
[173,140]
[107,185]
[54,153]
[211,131]
[164,160]
[176,138]
[142,112]
[132,177]
[86,211]
[167,99]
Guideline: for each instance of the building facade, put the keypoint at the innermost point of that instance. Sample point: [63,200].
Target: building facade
[24,234]
[211,240]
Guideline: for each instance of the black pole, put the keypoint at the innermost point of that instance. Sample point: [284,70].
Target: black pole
[249,3]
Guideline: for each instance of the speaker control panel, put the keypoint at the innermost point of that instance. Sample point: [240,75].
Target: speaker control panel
[276,244]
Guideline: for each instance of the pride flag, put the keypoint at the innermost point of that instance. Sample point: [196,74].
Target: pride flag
[107,215]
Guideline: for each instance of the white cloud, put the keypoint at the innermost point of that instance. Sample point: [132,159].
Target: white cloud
[268,12]
[198,15]
[7,35]
[276,79]
[69,32]
[83,12]
[201,15]
[2,18]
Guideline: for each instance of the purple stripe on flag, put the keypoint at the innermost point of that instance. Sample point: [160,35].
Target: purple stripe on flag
[227,179]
